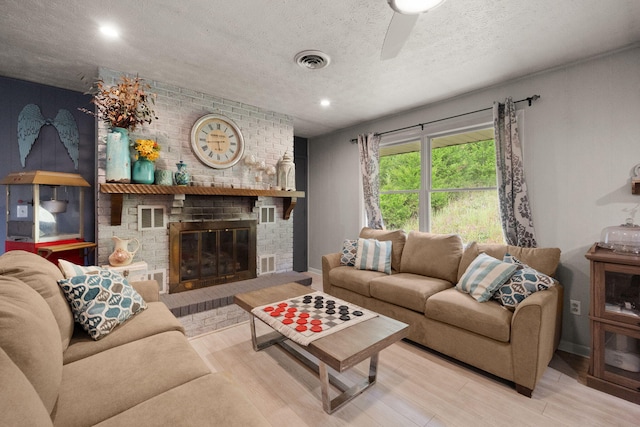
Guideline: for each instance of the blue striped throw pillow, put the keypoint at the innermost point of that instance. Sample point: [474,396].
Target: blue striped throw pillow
[484,276]
[373,255]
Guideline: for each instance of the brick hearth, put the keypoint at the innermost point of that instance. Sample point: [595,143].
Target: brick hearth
[207,309]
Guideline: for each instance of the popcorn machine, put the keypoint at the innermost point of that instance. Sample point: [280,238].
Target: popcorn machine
[45,215]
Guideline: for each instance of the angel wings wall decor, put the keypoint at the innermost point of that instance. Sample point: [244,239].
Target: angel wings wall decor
[30,121]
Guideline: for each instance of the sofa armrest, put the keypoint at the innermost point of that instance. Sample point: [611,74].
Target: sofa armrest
[148,290]
[535,334]
[328,262]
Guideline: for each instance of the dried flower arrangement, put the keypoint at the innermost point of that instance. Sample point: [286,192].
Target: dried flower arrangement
[125,105]
[148,148]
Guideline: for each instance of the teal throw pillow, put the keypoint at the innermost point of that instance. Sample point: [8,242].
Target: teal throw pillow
[373,255]
[524,282]
[101,301]
[484,276]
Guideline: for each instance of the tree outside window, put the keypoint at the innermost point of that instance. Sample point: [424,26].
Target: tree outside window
[460,179]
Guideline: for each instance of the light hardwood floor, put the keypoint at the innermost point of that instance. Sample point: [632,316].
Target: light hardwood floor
[415,387]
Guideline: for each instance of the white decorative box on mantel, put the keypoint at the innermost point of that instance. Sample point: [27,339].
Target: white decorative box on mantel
[134,272]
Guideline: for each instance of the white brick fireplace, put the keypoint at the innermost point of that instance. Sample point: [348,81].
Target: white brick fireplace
[267,136]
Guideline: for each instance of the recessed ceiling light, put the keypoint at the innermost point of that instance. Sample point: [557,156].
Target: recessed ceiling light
[325,102]
[109,31]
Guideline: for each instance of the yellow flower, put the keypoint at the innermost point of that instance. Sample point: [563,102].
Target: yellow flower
[148,148]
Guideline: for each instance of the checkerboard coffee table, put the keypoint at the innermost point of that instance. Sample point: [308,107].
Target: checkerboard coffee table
[340,350]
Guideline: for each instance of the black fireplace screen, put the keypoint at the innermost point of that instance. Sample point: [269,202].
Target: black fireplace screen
[211,253]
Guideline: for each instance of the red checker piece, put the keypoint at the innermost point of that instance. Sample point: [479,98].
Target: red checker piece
[268,308]
[316,328]
[292,309]
[287,321]
[289,315]
[301,321]
[276,313]
[304,315]
[301,328]
[283,304]
[316,322]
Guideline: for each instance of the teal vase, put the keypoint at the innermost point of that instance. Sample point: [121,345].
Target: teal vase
[118,167]
[182,176]
[143,171]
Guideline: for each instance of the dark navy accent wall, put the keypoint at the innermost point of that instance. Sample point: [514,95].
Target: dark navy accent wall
[48,152]
[300,215]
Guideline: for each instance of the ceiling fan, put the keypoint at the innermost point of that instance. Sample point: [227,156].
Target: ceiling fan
[403,20]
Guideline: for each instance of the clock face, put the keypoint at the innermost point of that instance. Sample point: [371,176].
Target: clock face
[217,141]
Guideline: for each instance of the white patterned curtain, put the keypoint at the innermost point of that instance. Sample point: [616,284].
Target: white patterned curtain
[515,213]
[369,147]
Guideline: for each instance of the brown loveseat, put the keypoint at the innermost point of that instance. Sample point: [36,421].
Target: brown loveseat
[144,373]
[514,345]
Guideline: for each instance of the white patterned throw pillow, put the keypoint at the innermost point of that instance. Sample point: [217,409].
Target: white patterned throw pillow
[524,282]
[101,301]
[70,269]
[349,252]
[484,276]
[373,255]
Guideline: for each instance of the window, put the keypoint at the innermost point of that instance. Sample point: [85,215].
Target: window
[442,184]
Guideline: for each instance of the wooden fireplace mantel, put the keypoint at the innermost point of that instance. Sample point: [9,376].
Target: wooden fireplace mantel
[117,192]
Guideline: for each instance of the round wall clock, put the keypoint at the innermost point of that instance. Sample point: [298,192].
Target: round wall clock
[217,141]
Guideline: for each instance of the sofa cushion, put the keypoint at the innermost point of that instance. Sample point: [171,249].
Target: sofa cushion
[484,276]
[398,239]
[458,309]
[20,405]
[29,336]
[42,276]
[432,255]
[373,255]
[545,260]
[349,251]
[101,386]
[407,290]
[210,400]
[353,279]
[154,320]
[522,283]
[101,301]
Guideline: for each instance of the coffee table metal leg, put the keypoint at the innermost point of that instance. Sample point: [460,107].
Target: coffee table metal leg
[264,341]
[331,405]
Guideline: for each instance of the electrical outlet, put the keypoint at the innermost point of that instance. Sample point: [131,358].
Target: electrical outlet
[22,211]
[574,307]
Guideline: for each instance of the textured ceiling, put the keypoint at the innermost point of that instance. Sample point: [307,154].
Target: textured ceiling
[243,50]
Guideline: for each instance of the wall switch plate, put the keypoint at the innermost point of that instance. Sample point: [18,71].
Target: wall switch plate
[22,211]
[574,307]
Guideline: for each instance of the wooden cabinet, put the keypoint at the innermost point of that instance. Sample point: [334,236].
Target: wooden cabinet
[615,323]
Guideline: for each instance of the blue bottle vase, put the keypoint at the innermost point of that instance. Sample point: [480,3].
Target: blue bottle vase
[143,171]
[118,167]
[181,177]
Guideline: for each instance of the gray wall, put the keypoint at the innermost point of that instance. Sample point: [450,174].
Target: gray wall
[580,146]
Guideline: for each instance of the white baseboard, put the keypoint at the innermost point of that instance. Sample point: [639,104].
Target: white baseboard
[573,348]
[314,271]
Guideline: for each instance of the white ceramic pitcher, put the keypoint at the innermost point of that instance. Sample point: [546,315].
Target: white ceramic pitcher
[121,254]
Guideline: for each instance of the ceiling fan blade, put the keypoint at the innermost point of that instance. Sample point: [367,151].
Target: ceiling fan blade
[397,34]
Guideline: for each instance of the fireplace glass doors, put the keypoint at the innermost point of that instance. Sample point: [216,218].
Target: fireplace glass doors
[211,253]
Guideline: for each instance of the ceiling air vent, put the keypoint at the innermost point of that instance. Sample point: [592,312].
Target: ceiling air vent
[312,59]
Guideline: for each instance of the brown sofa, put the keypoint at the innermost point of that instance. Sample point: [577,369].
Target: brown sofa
[514,345]
[144,372]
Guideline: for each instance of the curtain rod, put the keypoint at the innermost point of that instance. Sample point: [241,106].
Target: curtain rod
[529,100]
